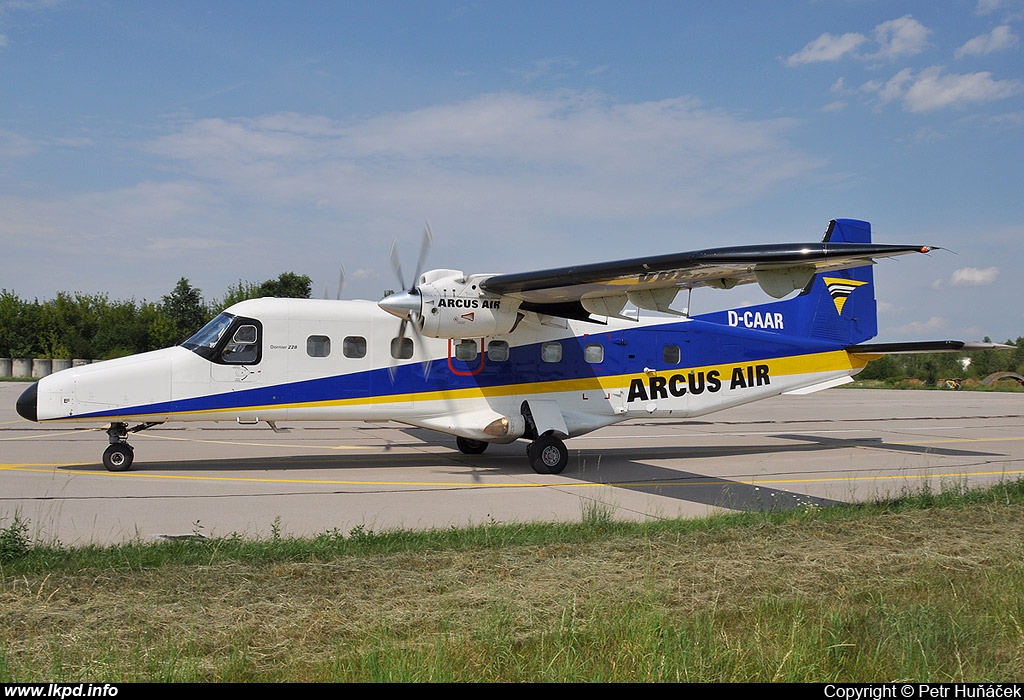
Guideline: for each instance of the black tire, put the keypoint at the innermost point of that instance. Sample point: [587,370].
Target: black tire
[118,457]
[471,447]
[548,455]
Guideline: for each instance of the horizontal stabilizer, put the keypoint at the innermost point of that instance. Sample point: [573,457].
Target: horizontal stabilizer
[925,346]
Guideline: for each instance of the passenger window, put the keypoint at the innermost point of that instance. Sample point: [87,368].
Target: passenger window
[593,353]
[497,351]
[318,346]
[551,352]
[242,348]
[401,348]
[354,346]
[671,354]
[466,350]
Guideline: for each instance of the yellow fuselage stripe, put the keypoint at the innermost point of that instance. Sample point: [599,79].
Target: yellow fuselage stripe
[813,363]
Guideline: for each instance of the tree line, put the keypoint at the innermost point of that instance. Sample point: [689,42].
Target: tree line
[93,327]
[931,368]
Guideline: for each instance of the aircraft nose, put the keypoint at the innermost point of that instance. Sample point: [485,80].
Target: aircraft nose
[27,403]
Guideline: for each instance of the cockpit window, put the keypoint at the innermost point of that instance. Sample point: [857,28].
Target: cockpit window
[228,340]
[209,335]
[243,349]
[245,335]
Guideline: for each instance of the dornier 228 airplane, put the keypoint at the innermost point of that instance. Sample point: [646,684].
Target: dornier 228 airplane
[541,356]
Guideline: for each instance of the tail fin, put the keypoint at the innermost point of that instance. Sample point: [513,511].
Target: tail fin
[842,304]
[836,307]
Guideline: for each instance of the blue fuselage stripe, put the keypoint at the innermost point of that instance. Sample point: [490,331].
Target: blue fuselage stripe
[624,351]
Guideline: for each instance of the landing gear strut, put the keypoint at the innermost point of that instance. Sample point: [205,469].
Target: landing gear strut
[548,454]
[118,457]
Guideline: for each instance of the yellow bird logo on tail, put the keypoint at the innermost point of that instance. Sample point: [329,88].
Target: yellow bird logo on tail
[840,289]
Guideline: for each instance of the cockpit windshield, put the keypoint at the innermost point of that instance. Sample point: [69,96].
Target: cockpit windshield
[228,340]
[205,342]
[208,336]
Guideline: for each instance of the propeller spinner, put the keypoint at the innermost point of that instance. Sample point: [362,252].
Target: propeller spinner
[406,304]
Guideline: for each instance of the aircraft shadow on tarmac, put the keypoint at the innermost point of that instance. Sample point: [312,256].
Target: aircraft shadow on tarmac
[627,468]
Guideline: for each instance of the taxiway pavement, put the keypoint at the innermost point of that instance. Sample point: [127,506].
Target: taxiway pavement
[216,479]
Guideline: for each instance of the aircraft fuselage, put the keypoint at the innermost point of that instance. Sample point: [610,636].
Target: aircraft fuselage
[335,360]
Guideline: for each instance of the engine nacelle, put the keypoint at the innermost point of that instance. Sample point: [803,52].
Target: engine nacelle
[454,306]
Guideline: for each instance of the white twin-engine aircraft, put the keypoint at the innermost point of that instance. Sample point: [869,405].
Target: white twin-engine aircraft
[541,356]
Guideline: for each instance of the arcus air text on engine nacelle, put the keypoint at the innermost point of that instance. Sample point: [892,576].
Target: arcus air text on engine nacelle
[454,306]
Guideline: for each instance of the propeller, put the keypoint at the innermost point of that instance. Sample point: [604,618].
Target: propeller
[341,283]
[406,304]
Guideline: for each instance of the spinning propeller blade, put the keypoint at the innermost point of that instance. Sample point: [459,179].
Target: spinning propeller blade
[406,304]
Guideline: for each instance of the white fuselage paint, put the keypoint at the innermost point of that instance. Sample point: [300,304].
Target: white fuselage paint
[124,387]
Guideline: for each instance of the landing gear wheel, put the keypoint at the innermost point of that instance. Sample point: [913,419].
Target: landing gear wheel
[548,455]
[471,447]
[118,457]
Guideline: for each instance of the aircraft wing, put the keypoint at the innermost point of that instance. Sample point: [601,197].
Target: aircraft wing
[598,288]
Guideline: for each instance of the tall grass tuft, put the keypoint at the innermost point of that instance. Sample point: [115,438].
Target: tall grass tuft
[15,542]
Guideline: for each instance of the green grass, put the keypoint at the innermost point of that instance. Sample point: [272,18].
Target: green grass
[926,587]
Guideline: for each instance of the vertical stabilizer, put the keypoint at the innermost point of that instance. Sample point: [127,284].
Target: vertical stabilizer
[836,307]
[842,303]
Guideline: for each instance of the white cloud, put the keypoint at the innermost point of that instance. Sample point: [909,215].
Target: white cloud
[1001,38]
[892,90]
[545,68]
[986,7]
[895,38]
[1010,119]
[503,178]
[13,145]
[974,277]
[900,37]
[29,5]
[571,153]
[827,48]
[927,134]
[932,89]
[932,325]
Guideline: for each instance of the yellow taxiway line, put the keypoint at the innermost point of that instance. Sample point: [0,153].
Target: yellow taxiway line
[568,481]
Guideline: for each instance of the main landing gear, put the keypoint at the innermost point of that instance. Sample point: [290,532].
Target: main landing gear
[118,457]
[547,454]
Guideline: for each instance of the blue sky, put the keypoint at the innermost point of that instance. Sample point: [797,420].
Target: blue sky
[222,141]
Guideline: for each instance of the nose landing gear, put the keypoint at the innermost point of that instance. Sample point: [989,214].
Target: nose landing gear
[118,457]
